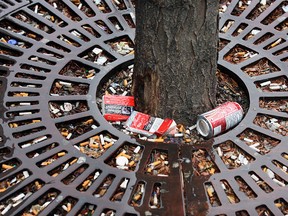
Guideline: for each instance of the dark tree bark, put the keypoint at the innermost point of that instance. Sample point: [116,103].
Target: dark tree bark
[176,58]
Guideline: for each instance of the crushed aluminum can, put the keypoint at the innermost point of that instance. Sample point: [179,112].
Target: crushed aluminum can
[219,119]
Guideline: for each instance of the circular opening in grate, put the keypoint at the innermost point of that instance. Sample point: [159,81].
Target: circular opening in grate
[118,82]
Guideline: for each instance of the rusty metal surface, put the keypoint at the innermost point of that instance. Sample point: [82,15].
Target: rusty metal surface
[20,142]
[17,142]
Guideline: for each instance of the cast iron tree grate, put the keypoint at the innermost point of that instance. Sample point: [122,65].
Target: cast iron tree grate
[7,6]
[55,54]
[252,158]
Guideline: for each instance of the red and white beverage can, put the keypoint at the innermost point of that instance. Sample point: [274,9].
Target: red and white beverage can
[219,119]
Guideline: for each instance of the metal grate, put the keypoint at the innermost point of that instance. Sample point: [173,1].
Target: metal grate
[56,54]
[8,6]
[253,47]
[54,63]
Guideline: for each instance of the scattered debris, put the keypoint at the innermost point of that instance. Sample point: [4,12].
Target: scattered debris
[259,142]
[158,164]
[126,157]
[233,156]
[239,54]
[219,119]
[117,108]
[212,195]
[155,199]
[19,196]
[231,196]
[102,189]
[96,145]
[202,163]
[147,125]
[279,84]
[275,124]
[138,194]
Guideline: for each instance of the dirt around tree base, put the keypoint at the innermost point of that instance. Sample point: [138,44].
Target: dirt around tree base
[228,89]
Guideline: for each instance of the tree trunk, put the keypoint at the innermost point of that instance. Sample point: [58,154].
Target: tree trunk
[176,58]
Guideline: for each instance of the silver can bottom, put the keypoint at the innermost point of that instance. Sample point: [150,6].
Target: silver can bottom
[204,127]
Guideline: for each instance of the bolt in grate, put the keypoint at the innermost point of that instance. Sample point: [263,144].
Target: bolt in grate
[59,156]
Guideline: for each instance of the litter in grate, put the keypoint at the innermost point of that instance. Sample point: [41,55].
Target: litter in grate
[127,157]
[260,143]
[34,141]
[275,124]
[105,185]
[96,145]
[89,180]
[39,151]
[18,197]
[202,163]
[11,26]
[83,50]
[87,209]
[239,54]
[65,165]
[259,181]
[282,205]
[245,188]
[12,181]
[233,156]
[65,206]
[260,67]
[42,203]
[155,199]
[60,109]
[229,192]
[158,164]
[138,194]
[263,210]
[119,193]
[212,195]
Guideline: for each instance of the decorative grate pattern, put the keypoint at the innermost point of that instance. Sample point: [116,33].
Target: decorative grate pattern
[58,155]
